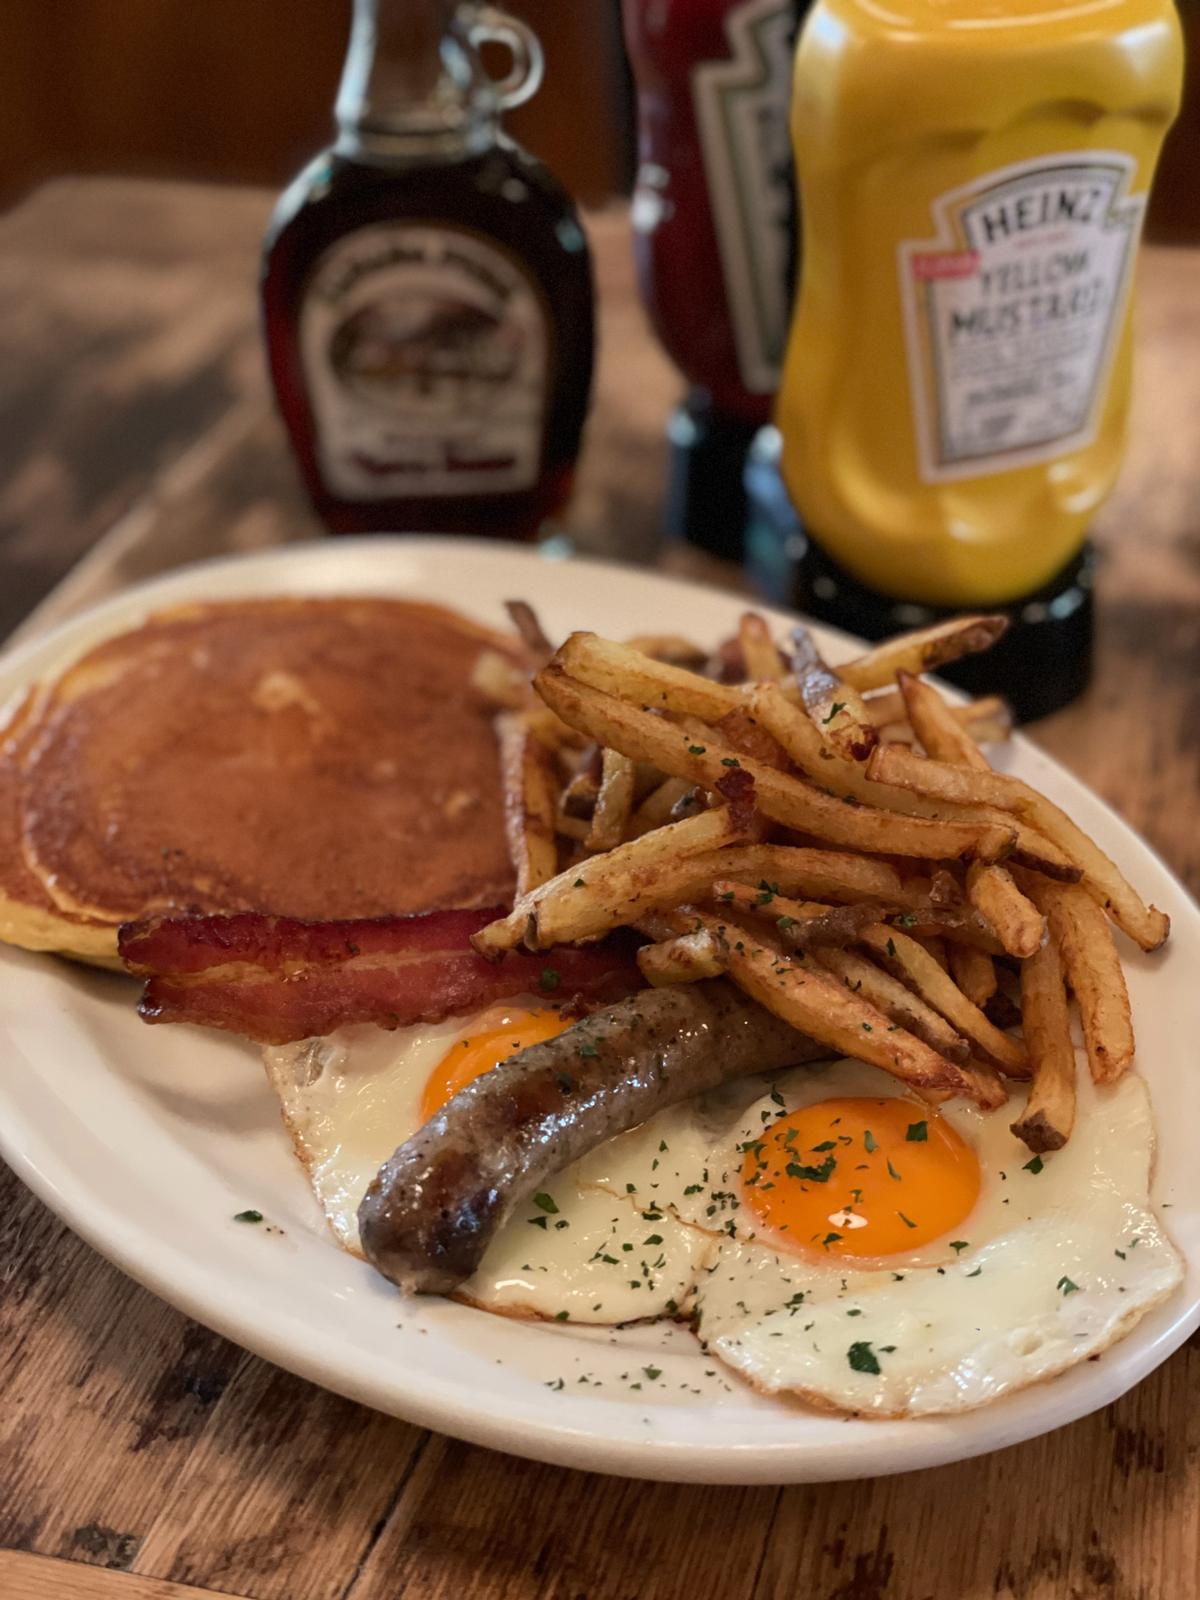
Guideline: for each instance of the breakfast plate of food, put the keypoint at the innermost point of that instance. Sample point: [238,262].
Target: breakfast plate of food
[560,1007]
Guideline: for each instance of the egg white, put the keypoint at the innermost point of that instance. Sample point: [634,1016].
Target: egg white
[1060,1261]
[601,1255]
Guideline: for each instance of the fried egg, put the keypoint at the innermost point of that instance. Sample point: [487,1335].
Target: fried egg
[876,1255]
[580,1250]
[832,1237]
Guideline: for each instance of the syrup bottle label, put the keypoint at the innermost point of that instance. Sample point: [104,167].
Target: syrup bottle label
[1012,313]
[742,115]
[425,357]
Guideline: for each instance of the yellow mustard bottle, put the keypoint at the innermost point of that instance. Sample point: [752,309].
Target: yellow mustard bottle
[973,177]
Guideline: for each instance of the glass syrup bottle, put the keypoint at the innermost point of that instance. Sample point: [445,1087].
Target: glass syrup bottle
[427,290]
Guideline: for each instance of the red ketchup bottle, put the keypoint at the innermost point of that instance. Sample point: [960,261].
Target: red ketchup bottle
[714,222]
[427,290]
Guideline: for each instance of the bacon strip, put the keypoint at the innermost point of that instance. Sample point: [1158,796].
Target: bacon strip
[278,980]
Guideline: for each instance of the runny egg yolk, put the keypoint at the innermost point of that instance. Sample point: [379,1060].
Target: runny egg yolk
[493,1038]
[860,1177]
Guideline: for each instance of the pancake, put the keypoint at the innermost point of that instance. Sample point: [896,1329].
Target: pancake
[312,758]
[28,916]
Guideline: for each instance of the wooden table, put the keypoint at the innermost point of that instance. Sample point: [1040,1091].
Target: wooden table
[144,1458]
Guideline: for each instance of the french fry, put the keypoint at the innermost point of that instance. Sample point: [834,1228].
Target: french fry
[530,794]
[686,958]
[610,890]
[672,647]
[525,620]
[645,737]
[818,875]
[900,1005]
[992,891]
[579,797]
[1049,1114]
[614,803]
[836,708]
[763,660]
[805,744]
[939,990]
[799,924]
[922,651]
[618,670]
[656,808]
[934,945]
[938,729]
[1019,925]
[1102,879]
[1093,969]
[988,1088]
[988,720]
[973,971]
[823,1008]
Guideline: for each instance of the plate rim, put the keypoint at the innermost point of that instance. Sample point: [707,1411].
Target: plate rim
[314,1358]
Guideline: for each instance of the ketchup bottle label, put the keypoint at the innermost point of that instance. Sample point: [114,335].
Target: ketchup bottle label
[742,114]
[1012,312]
[425,357]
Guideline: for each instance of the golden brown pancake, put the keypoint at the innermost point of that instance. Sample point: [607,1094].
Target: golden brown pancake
[312,758]
[27,914]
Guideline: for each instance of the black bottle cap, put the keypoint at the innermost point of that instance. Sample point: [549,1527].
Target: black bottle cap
[1041,664]
[706,496]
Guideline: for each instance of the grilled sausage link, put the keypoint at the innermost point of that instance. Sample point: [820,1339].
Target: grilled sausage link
[434,1207]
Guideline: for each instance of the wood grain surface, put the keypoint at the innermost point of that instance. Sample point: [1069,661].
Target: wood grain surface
[144,1458]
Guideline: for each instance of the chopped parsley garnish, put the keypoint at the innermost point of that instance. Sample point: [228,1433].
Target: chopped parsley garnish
[549,980]
[892,1173]
[545,1202]
[579,883]
[830,1238]
[1067,1286]
[958,1245]
[655,1238]
[730,761]
[537,1222]
[838,705]
[820,1174]
[891,946]
[652,1372]
[862,1358]
[907,919]
[587,1049]
[1034,1166]
[248,1216]
[869,1142]
[696,749]
[918,1132]
[976,1273]
[1120,1253]
[560,1316]
[826,1144]
[907,1221]
[556,1385]
[867,1028]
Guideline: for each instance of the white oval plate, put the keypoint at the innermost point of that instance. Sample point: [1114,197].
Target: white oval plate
[147,1141]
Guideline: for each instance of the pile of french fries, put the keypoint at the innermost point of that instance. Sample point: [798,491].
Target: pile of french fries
[832,839]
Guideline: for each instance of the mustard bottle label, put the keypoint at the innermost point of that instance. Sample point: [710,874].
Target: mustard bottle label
[1012,311]
[742,116]
[425,355]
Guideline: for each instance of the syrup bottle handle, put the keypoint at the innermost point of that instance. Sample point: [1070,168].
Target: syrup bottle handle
[488,24]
